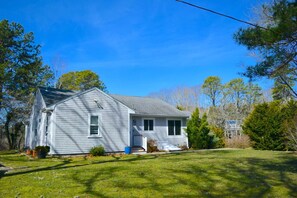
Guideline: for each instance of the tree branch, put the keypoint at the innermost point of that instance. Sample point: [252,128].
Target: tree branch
[290,87]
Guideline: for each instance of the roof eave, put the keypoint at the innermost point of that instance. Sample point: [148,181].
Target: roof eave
[161,115]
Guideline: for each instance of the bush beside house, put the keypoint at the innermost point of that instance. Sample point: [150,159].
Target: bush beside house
[97,151]
[199,133]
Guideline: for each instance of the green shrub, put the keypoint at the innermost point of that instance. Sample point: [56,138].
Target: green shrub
[218,141]
[198,132]
[267,125]
[290,124]
[97,151]
[291,132]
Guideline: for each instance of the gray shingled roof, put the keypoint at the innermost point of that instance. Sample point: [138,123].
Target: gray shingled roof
[141,105]
[150,106]
[52,96]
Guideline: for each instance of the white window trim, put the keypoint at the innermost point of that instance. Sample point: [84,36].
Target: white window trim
[89,125]
[154,125]
[181,128]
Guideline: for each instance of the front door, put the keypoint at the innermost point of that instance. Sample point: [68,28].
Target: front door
[137,140]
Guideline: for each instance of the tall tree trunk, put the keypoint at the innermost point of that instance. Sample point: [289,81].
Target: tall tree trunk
[18,134]
[1,93]
[2,80]
[20,141]
[6,129]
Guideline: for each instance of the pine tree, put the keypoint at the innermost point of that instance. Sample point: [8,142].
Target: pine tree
[21,72]
[276,43]
[264,126]
[205,139]
[193,125]
[198,131]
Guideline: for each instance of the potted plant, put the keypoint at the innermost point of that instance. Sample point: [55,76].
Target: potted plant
[42,151]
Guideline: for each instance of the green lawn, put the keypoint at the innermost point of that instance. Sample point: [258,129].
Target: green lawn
[215,173]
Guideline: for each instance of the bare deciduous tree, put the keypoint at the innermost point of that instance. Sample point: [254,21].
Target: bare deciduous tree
[184,97]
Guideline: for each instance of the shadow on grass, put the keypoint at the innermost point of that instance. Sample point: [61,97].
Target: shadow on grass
[235,177]
[9,152]
[66,164]
[3,170]
[246,177]
[249,178]
[89,184]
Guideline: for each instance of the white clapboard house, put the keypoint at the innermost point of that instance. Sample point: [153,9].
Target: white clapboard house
[73,122]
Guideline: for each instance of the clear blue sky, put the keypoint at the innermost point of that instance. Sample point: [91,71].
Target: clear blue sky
[138,46]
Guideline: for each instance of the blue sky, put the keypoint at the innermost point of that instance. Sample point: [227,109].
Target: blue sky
[138,46]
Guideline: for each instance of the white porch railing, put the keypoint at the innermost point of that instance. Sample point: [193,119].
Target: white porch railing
[144,143]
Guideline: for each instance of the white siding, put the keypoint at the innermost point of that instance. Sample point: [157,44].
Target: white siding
[70,124]
[36,122]
[160,130]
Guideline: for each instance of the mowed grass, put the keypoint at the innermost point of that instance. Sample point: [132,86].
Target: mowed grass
[213,173]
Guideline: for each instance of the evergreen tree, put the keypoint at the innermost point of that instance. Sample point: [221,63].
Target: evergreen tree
[218,139]
[281,91]
[265,126]
[289,125]
[276,43]
[236,90]
[253,94]
[193,125]
[198,131]
[80,80]
[204,140]
[21,71]
[212,87]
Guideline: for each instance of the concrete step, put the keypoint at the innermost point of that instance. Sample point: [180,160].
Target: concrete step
[137,149]
[139,153]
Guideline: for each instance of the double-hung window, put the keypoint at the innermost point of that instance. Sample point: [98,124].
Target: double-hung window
[148,125]
[94,125]
[174,127]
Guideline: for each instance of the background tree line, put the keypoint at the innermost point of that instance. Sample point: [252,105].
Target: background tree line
[273,125]
[270,125]
[232,100]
